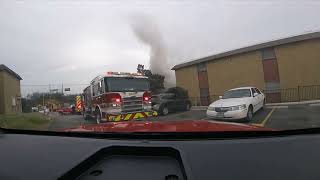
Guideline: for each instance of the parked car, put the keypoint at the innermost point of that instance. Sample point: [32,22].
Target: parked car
[238,103]
[43,110]
[173,100]
[65,110]
[35,109]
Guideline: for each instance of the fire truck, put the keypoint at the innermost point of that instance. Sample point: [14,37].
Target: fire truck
[117,96]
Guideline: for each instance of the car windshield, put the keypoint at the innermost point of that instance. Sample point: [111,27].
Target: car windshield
[159,66]
[239,93]
[123,84]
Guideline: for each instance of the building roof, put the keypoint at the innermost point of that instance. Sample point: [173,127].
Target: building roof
[278,42]
[5,68]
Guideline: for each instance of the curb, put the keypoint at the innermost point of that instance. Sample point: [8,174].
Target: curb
[318,104]
[293,103]
[199,108]
[203,108]
[277,107]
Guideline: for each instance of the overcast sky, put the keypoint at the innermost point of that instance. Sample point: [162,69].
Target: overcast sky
[70,42]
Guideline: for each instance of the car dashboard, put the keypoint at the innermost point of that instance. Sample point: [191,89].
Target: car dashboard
[36,156]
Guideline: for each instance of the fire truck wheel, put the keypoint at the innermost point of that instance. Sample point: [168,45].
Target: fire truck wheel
[98,116]
[85,115]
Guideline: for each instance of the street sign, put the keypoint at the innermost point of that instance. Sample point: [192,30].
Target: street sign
[66,89]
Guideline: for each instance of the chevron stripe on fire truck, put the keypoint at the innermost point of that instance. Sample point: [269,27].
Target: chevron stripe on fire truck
[78,103]
[131,116]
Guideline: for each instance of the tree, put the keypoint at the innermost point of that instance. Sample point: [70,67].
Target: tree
[156,80]
[179,91]
[58,99]
[156,83]
[26,105]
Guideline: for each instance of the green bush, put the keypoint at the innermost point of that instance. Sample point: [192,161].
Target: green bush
[29,121]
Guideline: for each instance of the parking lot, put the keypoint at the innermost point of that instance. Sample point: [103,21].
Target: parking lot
[275,117]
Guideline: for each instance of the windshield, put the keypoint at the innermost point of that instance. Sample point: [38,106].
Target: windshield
[121,84]
[240,93]
[159,66]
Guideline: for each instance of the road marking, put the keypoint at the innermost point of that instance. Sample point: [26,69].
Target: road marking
[314,104]
[263,123]
[278,107]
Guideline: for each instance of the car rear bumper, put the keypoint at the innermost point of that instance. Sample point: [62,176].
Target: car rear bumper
[232,115]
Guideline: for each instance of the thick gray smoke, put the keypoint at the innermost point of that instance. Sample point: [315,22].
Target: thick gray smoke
[147,32]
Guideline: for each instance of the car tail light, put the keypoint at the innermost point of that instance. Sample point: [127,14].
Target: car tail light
[146,96]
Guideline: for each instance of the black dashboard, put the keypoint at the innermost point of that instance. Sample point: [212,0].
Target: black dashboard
[31,156]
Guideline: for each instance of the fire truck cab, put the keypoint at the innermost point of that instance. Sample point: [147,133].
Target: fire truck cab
[117,96]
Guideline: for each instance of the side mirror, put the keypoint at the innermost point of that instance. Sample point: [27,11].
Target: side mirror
[255,94]
[220,97]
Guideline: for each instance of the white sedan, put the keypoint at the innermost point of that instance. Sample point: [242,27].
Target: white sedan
[238,103]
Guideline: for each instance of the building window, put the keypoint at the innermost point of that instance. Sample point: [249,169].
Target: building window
[100,87]
[202,67]
[268,54]
[95,90]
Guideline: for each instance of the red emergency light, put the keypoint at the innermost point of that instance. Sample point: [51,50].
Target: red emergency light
[123,73]
[146,96]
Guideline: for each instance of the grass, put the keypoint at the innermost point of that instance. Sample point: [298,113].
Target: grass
[29,121]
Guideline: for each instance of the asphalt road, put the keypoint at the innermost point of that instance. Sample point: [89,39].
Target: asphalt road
[280,118]
[61,122]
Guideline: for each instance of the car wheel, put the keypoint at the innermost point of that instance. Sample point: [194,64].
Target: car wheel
[165,111]
[98,116]
[84,115]
[188,107]
[249,114]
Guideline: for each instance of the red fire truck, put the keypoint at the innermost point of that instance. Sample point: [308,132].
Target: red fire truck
[117,96]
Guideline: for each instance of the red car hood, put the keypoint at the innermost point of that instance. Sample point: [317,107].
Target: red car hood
[167,126]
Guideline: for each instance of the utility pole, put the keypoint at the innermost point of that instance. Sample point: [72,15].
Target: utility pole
[42,99]
[49,91]
[62,89]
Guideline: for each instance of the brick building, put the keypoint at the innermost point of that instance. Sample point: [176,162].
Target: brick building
[286,69]
[10,95]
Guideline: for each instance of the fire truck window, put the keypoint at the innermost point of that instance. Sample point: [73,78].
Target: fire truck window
[95,90]
[100,87]
[126,84]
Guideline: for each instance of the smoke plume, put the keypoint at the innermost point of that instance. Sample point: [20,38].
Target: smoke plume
[148,32]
